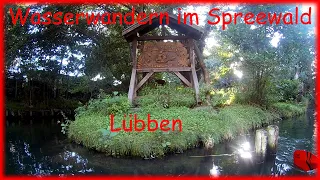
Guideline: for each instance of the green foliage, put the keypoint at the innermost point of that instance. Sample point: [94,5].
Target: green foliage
[204,90]
[107,133]
[250,50]
[218,97]
[170,95]
[105,105]
[60,103]
[241,98]
[287,89]
[266,95]
[65,124]
[281,91]
[89,50]
[287,110]
[222,97]
[93,130]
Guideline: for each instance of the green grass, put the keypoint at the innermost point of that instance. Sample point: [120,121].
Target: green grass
[197,125]
[171,95]
[92,124]
[287,110]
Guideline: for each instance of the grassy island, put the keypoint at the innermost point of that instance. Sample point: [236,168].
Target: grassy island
[199,124]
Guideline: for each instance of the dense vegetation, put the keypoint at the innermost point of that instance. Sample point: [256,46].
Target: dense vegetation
[199,125]
[249,76]
[45,75]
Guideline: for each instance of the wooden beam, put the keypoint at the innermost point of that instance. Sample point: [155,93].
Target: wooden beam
[131,31]
[149,38]
[164,69]
[206,75]
[134,53]
[197,51]
[193,69]
[131,92]
[188,76]
[183,79]
[143,80]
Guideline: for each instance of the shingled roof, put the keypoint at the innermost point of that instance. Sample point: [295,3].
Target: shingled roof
[190,30]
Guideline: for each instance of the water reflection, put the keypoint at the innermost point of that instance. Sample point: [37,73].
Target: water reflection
[214,171]
[245,150]
[43,150]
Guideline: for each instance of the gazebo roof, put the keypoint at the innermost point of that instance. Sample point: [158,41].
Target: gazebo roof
[192,31]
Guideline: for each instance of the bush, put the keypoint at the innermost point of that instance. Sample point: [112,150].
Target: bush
[60,103]
[105,105]
[288,110]
[167,96]
[287,89]
[222,97]
[93,130]
[275,91]
[92,125]
[218,97]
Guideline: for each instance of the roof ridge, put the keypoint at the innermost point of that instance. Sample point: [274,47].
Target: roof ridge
[127,32]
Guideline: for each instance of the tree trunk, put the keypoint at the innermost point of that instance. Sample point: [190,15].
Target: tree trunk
[16,90]
[55,89]
[44,92]
[30,93]
[202,65]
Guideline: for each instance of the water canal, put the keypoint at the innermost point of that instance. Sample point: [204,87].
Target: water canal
[41,149]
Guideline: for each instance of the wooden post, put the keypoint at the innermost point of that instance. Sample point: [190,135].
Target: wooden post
[209,143]
[131,92]
[135,85]
[193,69]
[190,75]
[273,134]
[261,143]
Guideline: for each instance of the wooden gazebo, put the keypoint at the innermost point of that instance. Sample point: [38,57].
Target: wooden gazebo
[152,54]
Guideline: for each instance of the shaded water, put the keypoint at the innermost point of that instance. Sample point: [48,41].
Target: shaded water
[44,150]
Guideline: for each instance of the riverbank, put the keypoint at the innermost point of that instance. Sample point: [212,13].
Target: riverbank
[199,126]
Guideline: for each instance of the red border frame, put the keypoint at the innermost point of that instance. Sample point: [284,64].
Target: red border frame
[2,82]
